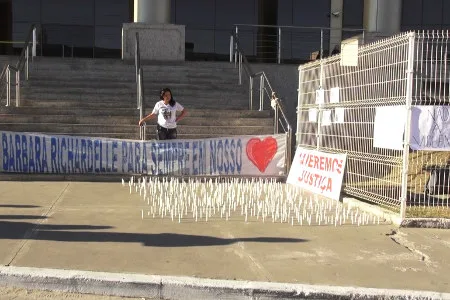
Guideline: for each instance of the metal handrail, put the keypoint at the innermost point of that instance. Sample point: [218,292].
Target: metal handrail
[22,63]
[290,28]
[264,86]
[2,75]
[139,86]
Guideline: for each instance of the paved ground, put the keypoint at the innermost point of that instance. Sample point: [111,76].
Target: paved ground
[98,227]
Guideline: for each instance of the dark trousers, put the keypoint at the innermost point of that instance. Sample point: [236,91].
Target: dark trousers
[163,133]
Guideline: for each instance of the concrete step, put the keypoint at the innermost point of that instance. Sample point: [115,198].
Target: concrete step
[110,102]
[64,110]
[130,120]
[179,89]
[117,101]
[154,83]
[194,73]
[113,128]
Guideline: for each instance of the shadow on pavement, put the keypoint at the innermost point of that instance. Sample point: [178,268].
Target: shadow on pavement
[18,206]
[21,217]
[16,230]
[71,233]
[64,233]
[154,240]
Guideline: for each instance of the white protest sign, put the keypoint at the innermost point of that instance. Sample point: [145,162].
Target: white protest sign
[312,115]
[389,127]
[430,128]
[334,95]
[326,117]
[59,154]
[318,172]
[339,115]
[320,96]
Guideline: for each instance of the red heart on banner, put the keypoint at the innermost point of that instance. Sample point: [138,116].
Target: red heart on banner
[262,152]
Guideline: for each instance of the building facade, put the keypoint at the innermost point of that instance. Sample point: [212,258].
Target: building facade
[93,27]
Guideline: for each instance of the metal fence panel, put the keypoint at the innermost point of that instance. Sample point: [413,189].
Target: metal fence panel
[380,79]
[408,76]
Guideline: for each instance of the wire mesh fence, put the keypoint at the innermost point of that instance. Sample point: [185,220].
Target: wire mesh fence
[429,158]
[383,113]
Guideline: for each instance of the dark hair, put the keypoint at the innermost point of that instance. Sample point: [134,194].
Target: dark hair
[161,94]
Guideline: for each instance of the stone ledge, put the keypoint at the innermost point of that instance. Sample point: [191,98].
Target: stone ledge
[158,42]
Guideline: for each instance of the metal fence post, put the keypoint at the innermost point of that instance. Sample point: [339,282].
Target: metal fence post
[279,46]
[299,104]
[321,58]
[407,135]
[289,149]
[319,123]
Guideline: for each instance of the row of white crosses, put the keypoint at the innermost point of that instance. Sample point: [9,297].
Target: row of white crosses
[254,199]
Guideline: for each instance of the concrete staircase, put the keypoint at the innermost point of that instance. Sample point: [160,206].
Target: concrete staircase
[97,97]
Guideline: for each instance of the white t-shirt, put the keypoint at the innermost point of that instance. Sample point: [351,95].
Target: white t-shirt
[167,114]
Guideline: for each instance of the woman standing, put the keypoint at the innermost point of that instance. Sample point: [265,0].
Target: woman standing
[166,110]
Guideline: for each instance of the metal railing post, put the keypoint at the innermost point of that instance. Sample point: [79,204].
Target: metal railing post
[139,91]
[261,93]
[240,68]
[136,56]
[231,48]
[33,47]
[279,46]
[236,46]
[251,93]
[142,132]
[407,135]
[275,127]
[8,86]
[27,52]
[17,88]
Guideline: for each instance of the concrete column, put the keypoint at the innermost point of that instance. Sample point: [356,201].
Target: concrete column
[152,11]
[336,11]
[382,16]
